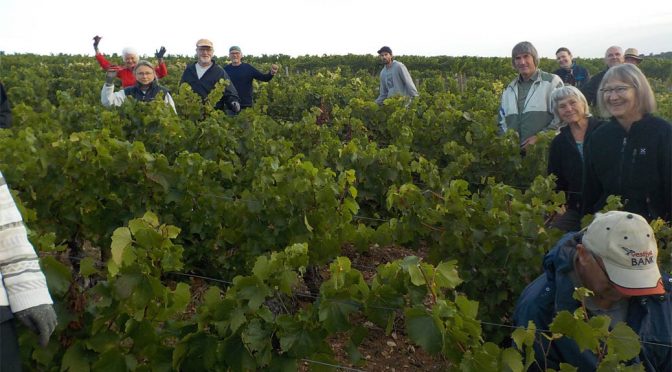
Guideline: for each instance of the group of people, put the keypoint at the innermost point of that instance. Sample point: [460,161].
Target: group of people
[628,155]
[139,78]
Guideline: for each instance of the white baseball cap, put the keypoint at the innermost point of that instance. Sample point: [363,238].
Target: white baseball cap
[628,248]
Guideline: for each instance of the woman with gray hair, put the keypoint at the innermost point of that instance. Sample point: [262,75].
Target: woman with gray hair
[145,89]
[565,160]
[631,155]
[130,56]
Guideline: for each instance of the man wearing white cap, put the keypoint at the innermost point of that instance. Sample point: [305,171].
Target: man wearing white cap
[615,257]
[204,74]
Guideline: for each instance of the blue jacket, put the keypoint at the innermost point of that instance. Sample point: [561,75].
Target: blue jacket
[241,76]
[649,316]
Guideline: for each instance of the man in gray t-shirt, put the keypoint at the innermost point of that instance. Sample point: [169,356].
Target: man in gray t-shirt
[394,78]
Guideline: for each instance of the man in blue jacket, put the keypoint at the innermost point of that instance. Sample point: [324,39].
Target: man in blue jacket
[615,257]
[203,75]
[242,74]
[569,71]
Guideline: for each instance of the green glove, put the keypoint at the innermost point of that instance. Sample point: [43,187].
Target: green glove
[40,319]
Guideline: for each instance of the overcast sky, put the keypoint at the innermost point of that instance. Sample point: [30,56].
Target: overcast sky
[298,27]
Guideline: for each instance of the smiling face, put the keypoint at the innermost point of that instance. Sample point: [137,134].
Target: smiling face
[524,63]
[613,56]
[564,59]
[571,110]
[144,75]
[386,58]
[621,101]
[130,60]
[235,57]
[205,54]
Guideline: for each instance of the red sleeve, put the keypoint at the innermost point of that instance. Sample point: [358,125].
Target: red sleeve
[161,70]
[102,61]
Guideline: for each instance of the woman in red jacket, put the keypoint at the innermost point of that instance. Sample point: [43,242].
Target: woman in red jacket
[130,56]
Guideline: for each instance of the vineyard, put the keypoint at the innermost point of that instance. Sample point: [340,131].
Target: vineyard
[200,241]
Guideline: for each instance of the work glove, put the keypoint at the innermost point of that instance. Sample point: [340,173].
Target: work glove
[160,53]
[40,319]
[235,106]
[110,75]
[96,40]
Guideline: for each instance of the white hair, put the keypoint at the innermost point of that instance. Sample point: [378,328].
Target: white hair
[129,51]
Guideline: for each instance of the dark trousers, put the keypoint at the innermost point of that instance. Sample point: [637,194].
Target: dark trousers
[10,358]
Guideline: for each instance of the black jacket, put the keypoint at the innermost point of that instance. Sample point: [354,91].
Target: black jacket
[5,109]
[577,76]
[139,95]
[566,163]
[207,82]
[635,165]
[589,89]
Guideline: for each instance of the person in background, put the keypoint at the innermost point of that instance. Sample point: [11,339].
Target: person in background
[612,57]
[615,258]
[569,71]
[5,109]
[632,56]
[242,74]
[204,74]
[565,159]
[526,101]
[130,56]
[394,78]
[145,89]
[23,288]
[631,155]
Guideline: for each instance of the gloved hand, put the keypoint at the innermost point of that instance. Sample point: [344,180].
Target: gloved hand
[235,106]
[110,75]
[160,53]
[40,319]
[96,40]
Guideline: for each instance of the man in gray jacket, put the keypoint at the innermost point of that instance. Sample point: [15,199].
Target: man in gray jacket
[526,101]
[394,78]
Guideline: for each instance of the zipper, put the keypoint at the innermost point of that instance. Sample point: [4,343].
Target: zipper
[620,174]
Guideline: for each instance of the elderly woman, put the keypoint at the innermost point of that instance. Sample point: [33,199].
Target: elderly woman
[565,160]
[145,89]
[631,155]
[130,56]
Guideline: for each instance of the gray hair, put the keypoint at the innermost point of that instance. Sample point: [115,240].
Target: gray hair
[568,91]
[129,51]
[143,62]
[633,76]
[522,48]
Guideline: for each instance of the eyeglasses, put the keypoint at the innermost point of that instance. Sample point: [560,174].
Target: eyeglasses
[619,90]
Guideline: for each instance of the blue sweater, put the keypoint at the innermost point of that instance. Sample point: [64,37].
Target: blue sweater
[241,76]
[207,82]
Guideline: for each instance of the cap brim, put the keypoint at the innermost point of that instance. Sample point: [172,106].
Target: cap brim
[638,282]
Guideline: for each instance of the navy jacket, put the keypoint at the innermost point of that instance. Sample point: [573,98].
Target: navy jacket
[5,109]
[207,82]
[137,93]
[636,165]
[241,77]
[589,89]
[565,162]
[577,75]
[649,316]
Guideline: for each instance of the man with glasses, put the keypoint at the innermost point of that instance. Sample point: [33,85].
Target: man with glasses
[612,57]
[204,74]
[242,74]
[615,258]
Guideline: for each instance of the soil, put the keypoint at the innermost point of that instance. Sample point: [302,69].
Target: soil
[381,352]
